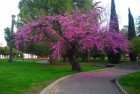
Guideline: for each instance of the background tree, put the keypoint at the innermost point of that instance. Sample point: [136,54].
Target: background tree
[131,35]
[7,35]
[83,4]
[138,26]
[30,9]
[1,50]
[113,27]
[136,44]
[5,51]
[131,26]
[125,30]
[40,49]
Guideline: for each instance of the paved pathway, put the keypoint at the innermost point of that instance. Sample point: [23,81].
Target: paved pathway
[45,61]
[95,82]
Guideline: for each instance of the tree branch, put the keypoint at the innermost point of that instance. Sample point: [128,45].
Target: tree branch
[57,28]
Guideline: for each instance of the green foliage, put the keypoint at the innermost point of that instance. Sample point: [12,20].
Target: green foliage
[131,82]
[1,50]
[83,55]
[131,26]
[5,51]
[7,35]
[83,4]
[21,76]
[136,44]
[40,48]
[125,29]
[29,9]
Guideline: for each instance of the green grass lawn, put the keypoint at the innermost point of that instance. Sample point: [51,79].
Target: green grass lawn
[131,83]
[22,77]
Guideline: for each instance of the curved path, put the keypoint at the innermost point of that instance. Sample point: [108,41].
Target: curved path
[94,82]
[45,61]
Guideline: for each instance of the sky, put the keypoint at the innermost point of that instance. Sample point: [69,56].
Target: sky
[10,7]
[122,9]
[7,8]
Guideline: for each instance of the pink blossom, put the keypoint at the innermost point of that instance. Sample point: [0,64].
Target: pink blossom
[83,28]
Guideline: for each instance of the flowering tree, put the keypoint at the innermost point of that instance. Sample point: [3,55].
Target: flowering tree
[67,33]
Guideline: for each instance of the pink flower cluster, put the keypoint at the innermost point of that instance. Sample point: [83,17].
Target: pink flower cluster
[83,28]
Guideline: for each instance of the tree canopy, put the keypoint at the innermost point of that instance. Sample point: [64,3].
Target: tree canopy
[30,9]
[7,35]
[81,28]
[136,44]
[5,51]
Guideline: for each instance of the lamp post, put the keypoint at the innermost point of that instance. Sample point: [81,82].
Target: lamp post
[11,37]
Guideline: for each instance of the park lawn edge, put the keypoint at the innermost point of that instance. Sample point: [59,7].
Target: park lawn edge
[49,83]
[40,85]
[126,89]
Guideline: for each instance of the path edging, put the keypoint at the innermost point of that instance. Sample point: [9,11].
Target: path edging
[47,89]
[120,87]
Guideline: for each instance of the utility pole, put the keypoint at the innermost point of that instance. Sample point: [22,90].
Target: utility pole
[11,37]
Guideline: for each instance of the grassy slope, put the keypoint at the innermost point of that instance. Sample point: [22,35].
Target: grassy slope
[22,76]
[131,83]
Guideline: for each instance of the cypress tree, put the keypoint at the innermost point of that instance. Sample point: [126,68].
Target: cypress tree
[131,34]
[113,27]
[131,26]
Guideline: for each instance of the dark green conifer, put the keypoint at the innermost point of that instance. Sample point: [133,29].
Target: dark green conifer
[131,26]
[113,27]
[131,34]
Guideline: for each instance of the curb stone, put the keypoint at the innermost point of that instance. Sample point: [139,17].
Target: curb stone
[47,90]
[120,87]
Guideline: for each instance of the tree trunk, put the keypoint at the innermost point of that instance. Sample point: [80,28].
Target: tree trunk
[10,54]
[88,55]
[64,58]
[71,57]
[51,61]
[133,57]
[114,58]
